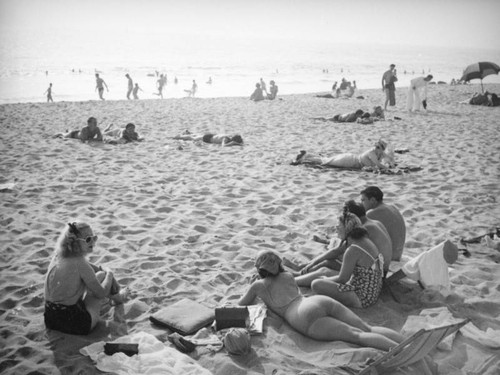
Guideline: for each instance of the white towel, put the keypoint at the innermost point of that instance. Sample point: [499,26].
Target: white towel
[154,358]
[429,268]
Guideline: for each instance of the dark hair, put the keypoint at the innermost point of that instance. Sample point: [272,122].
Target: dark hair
[430,76]
[373,192]
[129,125]
[91,119]
[265,273]
[392,66]
[357,233]
[237,138]
[359,112]
[355,208]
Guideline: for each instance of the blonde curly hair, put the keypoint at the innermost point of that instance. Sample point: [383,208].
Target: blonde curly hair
[66,245]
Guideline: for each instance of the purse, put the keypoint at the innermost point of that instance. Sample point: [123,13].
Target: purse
[226,317]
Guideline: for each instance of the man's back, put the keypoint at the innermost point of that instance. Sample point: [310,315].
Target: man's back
[394,222]
[381,238]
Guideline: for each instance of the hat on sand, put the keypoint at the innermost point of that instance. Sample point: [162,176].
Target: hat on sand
[268,260]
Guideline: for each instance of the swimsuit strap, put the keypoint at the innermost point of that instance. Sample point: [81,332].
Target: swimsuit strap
[366,252]
[379,258]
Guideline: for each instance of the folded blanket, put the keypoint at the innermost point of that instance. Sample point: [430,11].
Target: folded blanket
[154,358]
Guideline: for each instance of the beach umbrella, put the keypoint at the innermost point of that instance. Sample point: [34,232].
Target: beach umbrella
[480,70]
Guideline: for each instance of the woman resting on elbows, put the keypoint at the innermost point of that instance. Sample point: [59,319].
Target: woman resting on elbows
[318,317]
[359,282]
[220,139]
[370,158]
[74,288]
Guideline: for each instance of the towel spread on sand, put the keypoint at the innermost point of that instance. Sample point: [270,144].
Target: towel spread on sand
[154,358]
[430,268]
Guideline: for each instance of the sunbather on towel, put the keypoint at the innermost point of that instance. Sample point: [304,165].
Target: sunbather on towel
[318,317]
[121,136]
[220,139]
[370,158]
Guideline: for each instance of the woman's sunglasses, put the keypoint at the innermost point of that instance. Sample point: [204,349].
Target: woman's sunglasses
[89,239]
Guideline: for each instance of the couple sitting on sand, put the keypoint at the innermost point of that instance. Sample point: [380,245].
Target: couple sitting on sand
[220,139]
[371,158]
[91,132]
[358,116]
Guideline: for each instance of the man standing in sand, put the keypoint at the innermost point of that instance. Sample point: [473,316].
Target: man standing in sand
[49,94]
[100,85]
[372,199]
[416,84]
[388,86]
[130,86]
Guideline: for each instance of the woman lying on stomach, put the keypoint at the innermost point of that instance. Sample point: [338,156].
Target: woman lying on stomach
[318,317]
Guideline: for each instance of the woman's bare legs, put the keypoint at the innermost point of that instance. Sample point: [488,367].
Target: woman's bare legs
[92,303]
[330,288]
[307,279]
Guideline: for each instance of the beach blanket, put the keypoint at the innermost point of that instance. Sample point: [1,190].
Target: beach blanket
[398,170]
[154,358]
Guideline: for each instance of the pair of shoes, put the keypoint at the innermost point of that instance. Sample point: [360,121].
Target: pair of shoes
[181,343]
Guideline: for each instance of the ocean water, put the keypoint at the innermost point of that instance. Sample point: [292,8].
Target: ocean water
[30,61]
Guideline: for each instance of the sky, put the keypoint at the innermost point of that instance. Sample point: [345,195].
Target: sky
[455,23]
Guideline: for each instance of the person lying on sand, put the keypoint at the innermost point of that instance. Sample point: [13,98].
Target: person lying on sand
[359,116]
[74,288]
[91,132]
[220,139]
[370,158]
[318,317]
[487,99]
[122,136]
[323,264]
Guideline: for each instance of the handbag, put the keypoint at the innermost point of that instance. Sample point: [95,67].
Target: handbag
[226,317]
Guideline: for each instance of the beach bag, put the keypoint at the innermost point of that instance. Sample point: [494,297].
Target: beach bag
[226,317]
[237,341]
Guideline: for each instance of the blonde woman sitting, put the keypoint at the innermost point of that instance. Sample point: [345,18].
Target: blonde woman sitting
[74,288]
[371,158]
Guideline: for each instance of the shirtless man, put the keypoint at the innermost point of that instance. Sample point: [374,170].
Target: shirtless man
[376,209]
[100,86]
[388,86]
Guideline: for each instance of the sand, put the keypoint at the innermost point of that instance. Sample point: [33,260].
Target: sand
[177,219]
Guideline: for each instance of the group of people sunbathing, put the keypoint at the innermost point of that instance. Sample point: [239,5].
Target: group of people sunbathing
[487,99]
[92,133]
[358,116]
[75,288]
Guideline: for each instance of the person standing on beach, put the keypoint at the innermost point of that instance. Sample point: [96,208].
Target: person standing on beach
[389,87]
[263,86]
[130,86]
[100,85]
[136,91]
[416,84]
[372,199]
[49,94]
[159,84]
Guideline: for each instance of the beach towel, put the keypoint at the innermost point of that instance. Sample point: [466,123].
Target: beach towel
[430,267]
[185,317]
[154,358]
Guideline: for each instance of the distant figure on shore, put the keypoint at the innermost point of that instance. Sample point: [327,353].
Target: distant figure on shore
[88,133]
[193,90]
[100,86]
[49,93]
[159,85]
[130,87]
[263,86]
[318,317]
[371,158]
[135,92]
[273,90]
[416,85]
[257,94]
[334,86]
[372,199]
[176,81]
[343,84]
[388,86]
[74,288]
[122,136]
[209,82]
[220,139]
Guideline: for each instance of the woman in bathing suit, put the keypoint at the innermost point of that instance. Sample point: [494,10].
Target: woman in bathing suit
[359,282]
[74,288]
[318,317]
[219,139]
[371,158]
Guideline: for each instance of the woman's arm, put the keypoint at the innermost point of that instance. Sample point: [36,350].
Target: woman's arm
[332,254]
[250,295]
[100,290]
[348,265]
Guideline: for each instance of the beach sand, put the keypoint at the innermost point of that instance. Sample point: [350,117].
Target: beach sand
[180,220]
